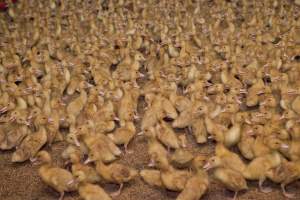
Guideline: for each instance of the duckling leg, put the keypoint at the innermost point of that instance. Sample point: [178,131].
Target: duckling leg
[235,195]
[118,192]
[285,193]
[62,194]
[261,188]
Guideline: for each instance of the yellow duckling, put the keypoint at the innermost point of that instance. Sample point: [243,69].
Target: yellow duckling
[59,179]
[30,146]
[181,158]
[231,179]
[88,191]
[116,173]
[173,179]
[152,177]
[291,149]
[196,185]
[85,173]
[123,135]
[286,173]
[257,169]
[166,135]
[199,131]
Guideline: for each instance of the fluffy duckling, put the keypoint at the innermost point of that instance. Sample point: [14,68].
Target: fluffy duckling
[59,179]
[73,154]
[173,179]
[199,131]
[246,143]
[75,107]
[123,135]
[257,169]
[264,145]
[286,173]
[88,191]
[30,146]
[181,158]
[156,150]
[196,185]
[85,173]
[228,158]
[116,173]
[152,177]
[166,135]
[291,149]
[187,116]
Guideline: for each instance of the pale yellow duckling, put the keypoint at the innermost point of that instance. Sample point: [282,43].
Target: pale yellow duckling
[30,146]
[173,179]
[231,179]
[59,179]
[166,135]
[85,173]
[257,169]
[286,173]
[187,116]
[116,173]
[181,158]
[196,185]
[88,191]
[291,149]
[123,135]
[198,129]
[152,177]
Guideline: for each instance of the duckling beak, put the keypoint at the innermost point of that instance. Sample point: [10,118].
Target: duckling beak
[87,161]
[3,110]
[140,133]
[207,166]
[282,117]
[77,143]
[117,119]
[285,146]
[210,137]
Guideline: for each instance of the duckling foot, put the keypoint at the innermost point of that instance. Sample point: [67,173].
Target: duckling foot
[127,151]
[118,192]
[286,194]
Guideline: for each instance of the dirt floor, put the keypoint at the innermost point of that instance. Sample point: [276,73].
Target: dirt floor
[21,181]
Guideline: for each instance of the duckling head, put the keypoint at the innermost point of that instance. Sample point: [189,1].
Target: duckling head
[200,109]
[42,157]
[199,162]
[275,144]
[212,162]
[72,139]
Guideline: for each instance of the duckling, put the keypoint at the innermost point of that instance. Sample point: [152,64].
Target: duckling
[285,174]
[231,179]
[166,135]
[75,106]
[116,173]
[85,173]
[257,169]
[88,191]
[187,116]
[199,131]
[59,179]
[73,154]
[123,135]
[296,105]
[198,183]
[152,177]
[228,158]
[291,149]
[30,146]
[246,143]
[264,145]
[155,149]
[173,179]
[181,158]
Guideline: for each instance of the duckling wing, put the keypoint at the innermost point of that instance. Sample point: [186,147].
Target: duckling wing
[231,179]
